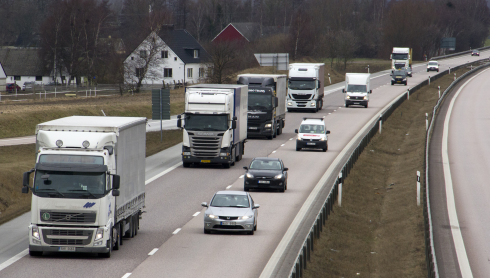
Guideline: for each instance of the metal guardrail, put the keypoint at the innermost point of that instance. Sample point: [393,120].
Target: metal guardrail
[457,54]
[303,255]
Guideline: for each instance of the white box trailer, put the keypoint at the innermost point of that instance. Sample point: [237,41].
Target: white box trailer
[214,123]
[89,184]
[306,86]
[266,103]
[357,89]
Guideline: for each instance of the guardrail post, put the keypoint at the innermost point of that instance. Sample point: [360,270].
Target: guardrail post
[429,79]
[418,185]
[380,123]
[439,88]
[426,121]
[329,79]
[340,190]
[449,69]
[408,94]
[454,76]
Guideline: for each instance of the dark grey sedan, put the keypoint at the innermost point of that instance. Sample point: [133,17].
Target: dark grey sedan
[266,173]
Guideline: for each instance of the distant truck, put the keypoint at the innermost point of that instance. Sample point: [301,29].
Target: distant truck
[214,124]
[357,89]
[89,184]
[306,86]
[401,57]
[266,103]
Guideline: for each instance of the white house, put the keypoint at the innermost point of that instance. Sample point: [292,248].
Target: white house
[3,77]
[171,56]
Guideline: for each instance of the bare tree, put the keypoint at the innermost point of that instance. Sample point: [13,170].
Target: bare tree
[223,55]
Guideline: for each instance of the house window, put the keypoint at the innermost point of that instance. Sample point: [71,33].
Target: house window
[139,72]
[175,58]
[143,53]
[17,77]
[201,72]
[63,78]
[167,72]
[189,73]
[132,58]
[164,54]
[39,78]
[196,53]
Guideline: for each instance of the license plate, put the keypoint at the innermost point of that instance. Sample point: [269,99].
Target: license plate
[264,182]
[310,143]
[67,248]
[356,102]
[252,127]
[228,223]
[205,161]
[398,76]
[398,82]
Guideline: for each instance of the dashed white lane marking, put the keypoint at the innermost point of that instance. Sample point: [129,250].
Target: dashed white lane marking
[126,275]
[329,113]
[284,144]
[153,251]
[273,151]
[334,110]
[196,214]
[163,173]
[176,231]
[228,187]
[13,259]
[240,177]
[291,139]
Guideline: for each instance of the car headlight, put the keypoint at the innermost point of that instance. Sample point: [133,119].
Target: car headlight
[212,216]
[323,139]
[299,138]
[404,79]
[99,234]
[250,176]
[35,233]
[278,177]
[268,125]
[246,217]
[347,97]
[365,97]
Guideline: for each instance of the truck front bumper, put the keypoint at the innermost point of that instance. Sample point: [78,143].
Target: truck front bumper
[300,104]
[78,249]
[205,160]
[254,129]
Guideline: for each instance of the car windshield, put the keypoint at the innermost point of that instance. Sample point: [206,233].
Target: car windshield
[399,56]
[356,88]
[433,64]
[60,183]
[265,165]
[475,51]
[399,72]
[230,200]
[317,129]
[202,122]
[259,101]
[302,84]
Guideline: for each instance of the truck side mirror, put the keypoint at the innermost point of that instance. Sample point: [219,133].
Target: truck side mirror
[116,180]
[391,56]
[319,84]
[343,90]
[276,102]
[235,118]
[233,124]
[25,189]
[295,131]
[370,91]
[25,180]
[179,123]
[328,132]
[115,192]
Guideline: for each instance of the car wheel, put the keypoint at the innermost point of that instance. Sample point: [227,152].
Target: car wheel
[283,188]
[391,83]
[366,106]
[346,105]
[117,242]
[251,232]
[405,83]
[437,70]
[255,227]
[427,70]
[207,231]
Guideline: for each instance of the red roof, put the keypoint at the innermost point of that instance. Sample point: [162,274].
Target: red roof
[230,33]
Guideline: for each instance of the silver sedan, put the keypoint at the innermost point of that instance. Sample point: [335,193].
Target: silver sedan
[233,211]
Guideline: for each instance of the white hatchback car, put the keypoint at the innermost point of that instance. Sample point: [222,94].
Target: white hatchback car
[433,66]
[312,134]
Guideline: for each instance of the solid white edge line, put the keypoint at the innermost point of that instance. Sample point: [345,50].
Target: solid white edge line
[283,145]
[163,173]
[464,264]
[153,252]
[288,236]
[13,259]
[273,151]
[196,214]
[240,177]
[176,231]
[126,275]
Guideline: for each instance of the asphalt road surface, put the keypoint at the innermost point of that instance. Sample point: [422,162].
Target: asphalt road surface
[173,222]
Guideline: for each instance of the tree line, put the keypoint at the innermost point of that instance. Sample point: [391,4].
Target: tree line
[80,35]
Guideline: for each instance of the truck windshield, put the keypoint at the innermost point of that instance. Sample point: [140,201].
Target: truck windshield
[69,184]
[399,56]
[302,84]
[202,122]
[259,101]
[356,88]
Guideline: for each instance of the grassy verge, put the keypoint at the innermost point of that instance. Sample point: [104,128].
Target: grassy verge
[379,230]
[15,160]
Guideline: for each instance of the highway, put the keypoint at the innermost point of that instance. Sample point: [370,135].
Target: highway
[173,220]
[459,181]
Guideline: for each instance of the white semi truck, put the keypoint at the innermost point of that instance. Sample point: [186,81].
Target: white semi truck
[306,86]
[357,89]
[266,103]
[88,187]
[214,124]
[401,57]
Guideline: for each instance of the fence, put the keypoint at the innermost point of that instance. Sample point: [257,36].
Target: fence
[303,254]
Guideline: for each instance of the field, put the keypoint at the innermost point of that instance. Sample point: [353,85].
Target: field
[379,230]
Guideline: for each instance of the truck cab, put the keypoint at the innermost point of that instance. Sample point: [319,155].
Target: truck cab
[306,86]
[401,57]
[357,89]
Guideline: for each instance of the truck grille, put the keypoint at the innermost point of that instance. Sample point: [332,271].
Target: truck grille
[49,233]
[205,146]
[356,98]
[296,96]
[67,217]
[66,232]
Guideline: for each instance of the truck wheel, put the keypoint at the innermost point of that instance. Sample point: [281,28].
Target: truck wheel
[137,226]
[366,106]
[274,135]
[116,233]
[35,253]
[186,164]
[279,130]
[346,105]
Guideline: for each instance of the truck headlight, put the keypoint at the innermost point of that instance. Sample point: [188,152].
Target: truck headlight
[268,125]
[278,177]
[347,97]
[250,176]
[99,234]
[312,104]
[223,154]
[365,97]
[186,153]
[290,103]
[35,233]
